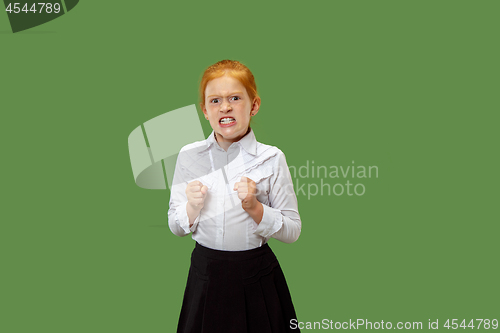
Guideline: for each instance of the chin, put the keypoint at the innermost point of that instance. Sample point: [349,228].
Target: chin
[231,135]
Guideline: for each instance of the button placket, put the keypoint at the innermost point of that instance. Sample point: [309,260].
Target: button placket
[219,236]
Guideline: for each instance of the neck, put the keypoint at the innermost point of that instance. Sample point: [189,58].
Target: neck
[226,144]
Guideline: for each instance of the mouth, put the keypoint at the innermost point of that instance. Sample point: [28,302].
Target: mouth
[227,121]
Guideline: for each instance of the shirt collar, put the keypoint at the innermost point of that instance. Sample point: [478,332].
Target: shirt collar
[248,142]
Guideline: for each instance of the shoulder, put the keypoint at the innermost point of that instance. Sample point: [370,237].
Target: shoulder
[270,155]
[193,161]
[193,153]
[268,150]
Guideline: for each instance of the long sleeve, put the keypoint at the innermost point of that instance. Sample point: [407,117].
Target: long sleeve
[281,219]
[178,220]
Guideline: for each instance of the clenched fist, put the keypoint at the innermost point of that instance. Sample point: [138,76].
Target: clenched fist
[196,193]
[247,193]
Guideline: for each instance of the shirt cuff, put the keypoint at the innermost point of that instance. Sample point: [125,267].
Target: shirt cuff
[183,219]
[195,223]
[271,222]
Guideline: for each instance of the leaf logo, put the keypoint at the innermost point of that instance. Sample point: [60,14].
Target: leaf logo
[29,14]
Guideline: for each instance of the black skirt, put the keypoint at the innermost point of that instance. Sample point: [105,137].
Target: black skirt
[236,291]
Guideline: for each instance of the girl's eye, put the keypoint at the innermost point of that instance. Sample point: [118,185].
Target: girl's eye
[235,98]
[215,100]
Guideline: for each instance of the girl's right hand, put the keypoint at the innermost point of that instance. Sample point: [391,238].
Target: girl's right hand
[196,193]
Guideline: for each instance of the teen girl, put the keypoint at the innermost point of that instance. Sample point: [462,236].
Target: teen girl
[233,194]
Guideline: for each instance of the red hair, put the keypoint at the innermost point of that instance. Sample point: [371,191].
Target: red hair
[234,69]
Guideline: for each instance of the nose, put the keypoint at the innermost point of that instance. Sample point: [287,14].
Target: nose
[225,106]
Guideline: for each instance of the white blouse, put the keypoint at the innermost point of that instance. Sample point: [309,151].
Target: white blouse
[222,223]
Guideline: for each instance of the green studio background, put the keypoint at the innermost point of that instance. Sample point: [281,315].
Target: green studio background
[407,86]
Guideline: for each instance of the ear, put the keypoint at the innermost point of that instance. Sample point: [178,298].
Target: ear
[255,105]
[204,109]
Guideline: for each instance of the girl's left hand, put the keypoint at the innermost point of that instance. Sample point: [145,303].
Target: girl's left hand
[247,193]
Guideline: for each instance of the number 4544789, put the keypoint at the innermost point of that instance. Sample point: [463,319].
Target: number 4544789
[486,323]
[35,8]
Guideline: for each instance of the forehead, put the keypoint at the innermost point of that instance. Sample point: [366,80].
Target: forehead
[224,85]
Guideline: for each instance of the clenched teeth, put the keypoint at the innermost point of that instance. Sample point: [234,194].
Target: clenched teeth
[227,120]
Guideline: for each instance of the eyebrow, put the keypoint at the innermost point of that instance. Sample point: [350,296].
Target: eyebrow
[234,93]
